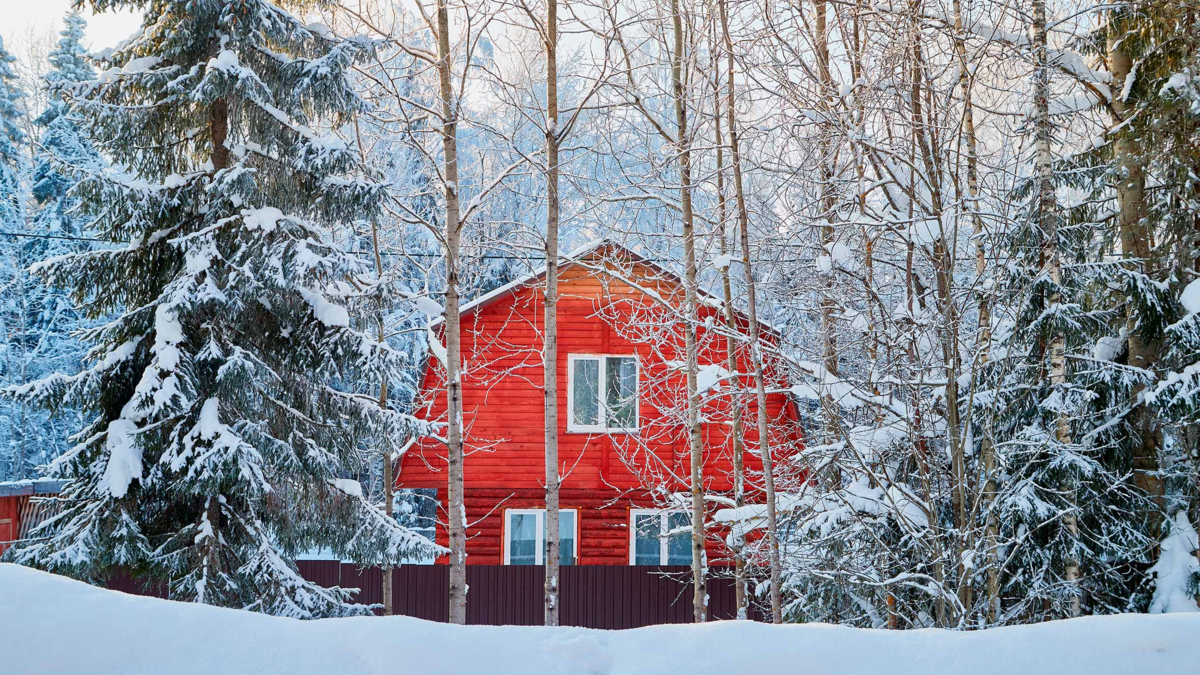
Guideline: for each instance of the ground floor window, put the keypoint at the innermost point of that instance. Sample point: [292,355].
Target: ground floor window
[660,537]
[525,536]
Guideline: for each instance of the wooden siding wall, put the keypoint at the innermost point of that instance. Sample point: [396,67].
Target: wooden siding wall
[19,514]
[602,526]
[604,474]
[10,518]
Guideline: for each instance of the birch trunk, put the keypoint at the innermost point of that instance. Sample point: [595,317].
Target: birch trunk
[855,53]
[389,479]
[456,508]
[731,339]
[987,449]
[829,347]
[943,260]
[1048,221]
[550,347]
[389,506]
[756,352]
[828,235]
[691,346]
[922,206]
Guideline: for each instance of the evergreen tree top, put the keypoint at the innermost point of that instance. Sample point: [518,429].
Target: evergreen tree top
[11,136]
[68,57]
[60,141]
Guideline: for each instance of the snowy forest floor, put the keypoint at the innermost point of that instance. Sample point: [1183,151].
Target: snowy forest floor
[50,624]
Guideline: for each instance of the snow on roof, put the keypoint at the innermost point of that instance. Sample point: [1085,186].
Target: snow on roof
[492,295]
[572,258]
[20,488]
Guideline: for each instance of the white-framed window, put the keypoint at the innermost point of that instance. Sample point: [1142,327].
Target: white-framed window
[658,537]
[602,393]
[525,536]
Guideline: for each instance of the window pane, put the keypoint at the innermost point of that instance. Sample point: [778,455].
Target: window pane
[585,392]
[621,391]
[647,528]
[679,545]
[522,539]
[566,537]
[416,509]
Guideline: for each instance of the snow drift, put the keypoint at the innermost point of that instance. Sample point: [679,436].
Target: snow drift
[52,625]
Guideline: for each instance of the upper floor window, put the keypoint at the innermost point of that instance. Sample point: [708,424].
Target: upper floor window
[525,536]
[660,537]
[602,393]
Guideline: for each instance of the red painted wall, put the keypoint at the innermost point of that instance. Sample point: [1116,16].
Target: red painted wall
[9,519]
[605,474]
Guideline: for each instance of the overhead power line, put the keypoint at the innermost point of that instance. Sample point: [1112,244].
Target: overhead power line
[393,253]
[488,256]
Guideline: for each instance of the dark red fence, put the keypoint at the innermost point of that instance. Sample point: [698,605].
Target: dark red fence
[593,596]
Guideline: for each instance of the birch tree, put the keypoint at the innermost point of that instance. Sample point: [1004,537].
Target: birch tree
[550,331]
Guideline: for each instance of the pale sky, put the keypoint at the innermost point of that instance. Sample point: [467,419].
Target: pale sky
[20,19]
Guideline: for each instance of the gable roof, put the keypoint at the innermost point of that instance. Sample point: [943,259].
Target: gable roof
[574,258]
[528,278]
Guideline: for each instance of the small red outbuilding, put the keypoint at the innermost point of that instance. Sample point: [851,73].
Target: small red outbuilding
[24,504]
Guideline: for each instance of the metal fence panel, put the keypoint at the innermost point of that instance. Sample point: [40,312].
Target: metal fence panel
[591,596]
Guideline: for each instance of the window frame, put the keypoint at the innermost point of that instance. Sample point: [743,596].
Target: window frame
[602,386]
[663,540]
[540,529]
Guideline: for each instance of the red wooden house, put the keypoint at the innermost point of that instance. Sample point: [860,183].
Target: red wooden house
[622,440]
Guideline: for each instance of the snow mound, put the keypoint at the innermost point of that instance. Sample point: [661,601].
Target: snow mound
[328,313]
[428,306]
[53,625]
[1190,298]
[348,486]
[124,457]
[1175,568]
[711,376]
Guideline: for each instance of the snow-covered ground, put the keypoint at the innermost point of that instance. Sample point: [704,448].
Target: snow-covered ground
[52,625]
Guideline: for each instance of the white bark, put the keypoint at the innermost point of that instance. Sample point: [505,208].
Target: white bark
[756,351]
[691,346]
[456,506]
[550,347]
[1048,221]
[987,447]
[731,340]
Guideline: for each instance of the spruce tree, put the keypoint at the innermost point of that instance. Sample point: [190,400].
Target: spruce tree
[1162,38]
[219,445]
[11,136]
[1066,499]
[12,141]
[14,340]
[46,316]
[61,140]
